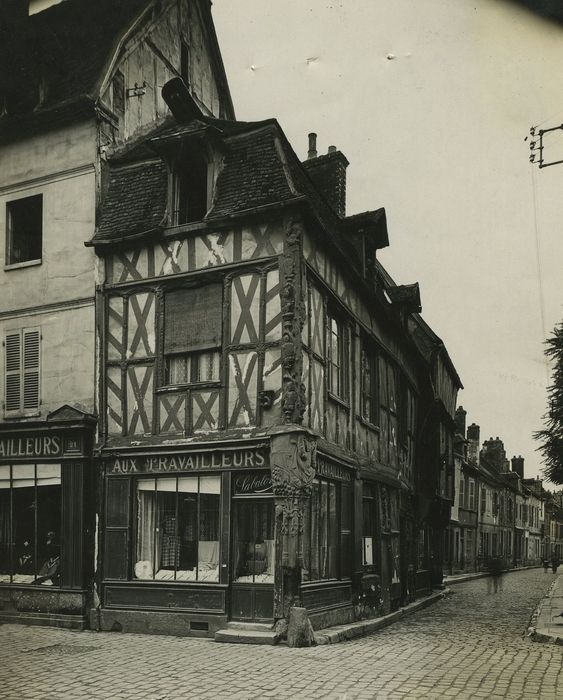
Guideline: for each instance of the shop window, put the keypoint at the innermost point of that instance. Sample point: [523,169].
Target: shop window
[253,541]
[22,372]
[337,357]
[190,188]
[24,239]
[193,335]
[368,385]
[178,528]
[327,532]
[369,527]
[30,524]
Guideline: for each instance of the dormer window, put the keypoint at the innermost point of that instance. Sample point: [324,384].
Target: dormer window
[190,189]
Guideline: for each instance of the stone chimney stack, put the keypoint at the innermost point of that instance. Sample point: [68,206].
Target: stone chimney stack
[328,172]
[518,466]
[473,439]
[460,415]
[493,450]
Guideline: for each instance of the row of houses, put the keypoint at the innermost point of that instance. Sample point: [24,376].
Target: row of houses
[217,403]
[497,513]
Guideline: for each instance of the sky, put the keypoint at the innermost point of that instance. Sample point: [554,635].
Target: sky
[430,101]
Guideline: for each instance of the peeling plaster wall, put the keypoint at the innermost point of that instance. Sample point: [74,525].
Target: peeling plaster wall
[67,368]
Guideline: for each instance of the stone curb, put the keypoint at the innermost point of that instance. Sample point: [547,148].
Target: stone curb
[343,633]
[541,635]
[462,578]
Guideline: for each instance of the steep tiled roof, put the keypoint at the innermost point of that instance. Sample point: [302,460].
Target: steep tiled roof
[253,175]
[135,201]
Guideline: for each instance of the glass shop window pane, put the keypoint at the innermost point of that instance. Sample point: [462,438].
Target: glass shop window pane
[323,532]
[253,542]
[30,520]
[178,529]
[315,527]
[333,532]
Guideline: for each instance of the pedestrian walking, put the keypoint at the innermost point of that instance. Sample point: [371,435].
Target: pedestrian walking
[496,572]
[545,565]
[554,563]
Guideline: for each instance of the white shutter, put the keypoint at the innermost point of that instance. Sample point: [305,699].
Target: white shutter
[31,361]
[13,372]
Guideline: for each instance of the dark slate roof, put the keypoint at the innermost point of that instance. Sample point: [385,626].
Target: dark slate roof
[253,175]
[135,202]
[62,54]
[65,48]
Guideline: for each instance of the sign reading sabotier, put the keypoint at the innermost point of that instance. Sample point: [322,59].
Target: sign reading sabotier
[43,446]
[191,461]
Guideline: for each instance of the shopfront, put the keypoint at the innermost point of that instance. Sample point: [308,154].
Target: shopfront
[188,540]
[328,544]
[46,523]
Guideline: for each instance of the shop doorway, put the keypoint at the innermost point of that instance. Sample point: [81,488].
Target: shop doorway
[253,559]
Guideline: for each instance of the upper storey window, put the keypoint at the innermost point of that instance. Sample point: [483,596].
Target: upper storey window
[190,189]
[193,334]
[337,356]
[24,235]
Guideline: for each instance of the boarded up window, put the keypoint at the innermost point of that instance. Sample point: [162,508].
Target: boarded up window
[193,319]
[22,371]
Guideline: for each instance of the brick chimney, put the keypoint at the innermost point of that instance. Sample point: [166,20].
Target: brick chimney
[460,415]
[493,450]
[328,172]
[473,439]
[518,466]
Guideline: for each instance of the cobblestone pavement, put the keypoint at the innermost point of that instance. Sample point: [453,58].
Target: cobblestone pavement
[470,645]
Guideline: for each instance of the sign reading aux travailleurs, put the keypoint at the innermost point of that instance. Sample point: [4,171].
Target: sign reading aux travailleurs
[191,461]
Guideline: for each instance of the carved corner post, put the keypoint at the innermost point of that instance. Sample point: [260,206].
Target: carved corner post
[293,459]
[292,280]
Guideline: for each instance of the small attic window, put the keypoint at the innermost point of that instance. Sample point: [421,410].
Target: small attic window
[118,93]
[190,189]
[185,63]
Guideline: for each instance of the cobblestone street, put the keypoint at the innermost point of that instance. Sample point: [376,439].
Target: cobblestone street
[470,645]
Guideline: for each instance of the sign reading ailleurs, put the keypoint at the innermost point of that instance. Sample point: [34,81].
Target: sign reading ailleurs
[191,461]
[44,446]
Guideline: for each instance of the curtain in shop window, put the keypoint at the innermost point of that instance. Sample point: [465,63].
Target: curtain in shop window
[148,547]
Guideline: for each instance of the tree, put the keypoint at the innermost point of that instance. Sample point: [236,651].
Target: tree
[551,437]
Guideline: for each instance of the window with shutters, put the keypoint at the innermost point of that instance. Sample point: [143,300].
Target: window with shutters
[24,235]
[193,335]
[22,372]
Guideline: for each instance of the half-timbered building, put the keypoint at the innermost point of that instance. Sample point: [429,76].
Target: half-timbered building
[76,77]
[267,391]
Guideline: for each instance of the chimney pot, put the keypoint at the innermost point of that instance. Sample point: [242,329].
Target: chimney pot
[332,149]
[312,153]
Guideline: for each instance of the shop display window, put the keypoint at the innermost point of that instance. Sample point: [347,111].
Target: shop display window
[327,532]
[30,524]
[178,529]
[253,541]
